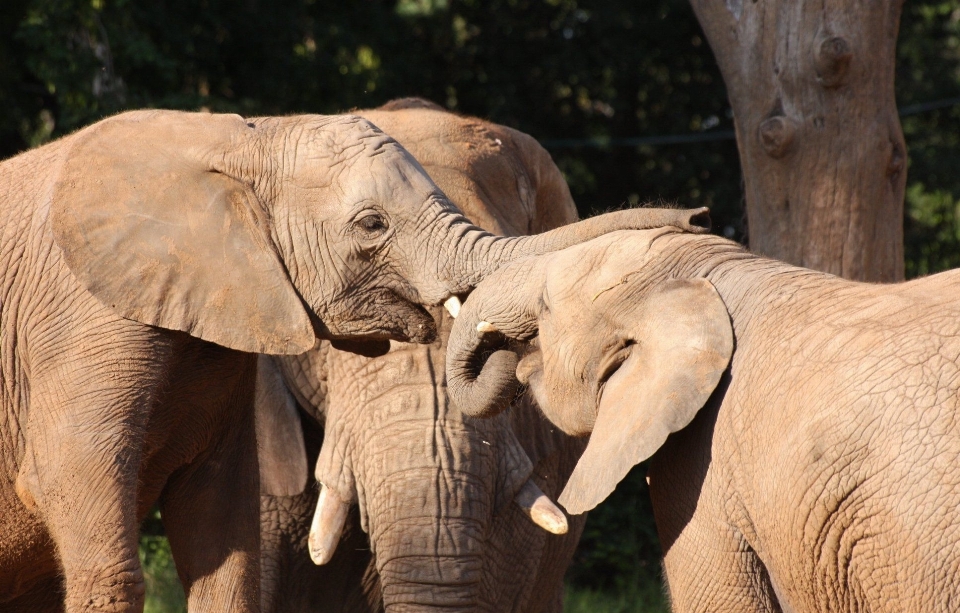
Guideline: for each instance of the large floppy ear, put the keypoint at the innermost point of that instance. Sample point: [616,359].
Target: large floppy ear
[280,447]
[683,343]
[151,224]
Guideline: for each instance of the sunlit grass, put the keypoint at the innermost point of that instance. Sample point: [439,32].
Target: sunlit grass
[647,598]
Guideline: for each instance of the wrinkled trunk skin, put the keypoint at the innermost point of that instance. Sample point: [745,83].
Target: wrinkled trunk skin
[514,541]
[482,371]
[426,483]
[477,253]
[434,491]
[822,149]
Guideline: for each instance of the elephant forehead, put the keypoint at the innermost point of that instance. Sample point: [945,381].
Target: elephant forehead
[330,143]
[397,172]
[584,273]
[349,134]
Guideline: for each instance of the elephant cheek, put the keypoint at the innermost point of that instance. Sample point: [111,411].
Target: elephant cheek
[530,374]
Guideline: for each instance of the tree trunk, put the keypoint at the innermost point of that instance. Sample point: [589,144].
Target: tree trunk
[822,150]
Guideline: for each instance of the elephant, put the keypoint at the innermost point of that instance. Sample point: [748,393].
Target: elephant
[145,261]
[389,436]
[803,428]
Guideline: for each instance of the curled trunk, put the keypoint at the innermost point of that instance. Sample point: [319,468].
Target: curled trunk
[481,366]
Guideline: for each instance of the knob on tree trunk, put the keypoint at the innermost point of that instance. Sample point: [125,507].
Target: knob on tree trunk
[821,147]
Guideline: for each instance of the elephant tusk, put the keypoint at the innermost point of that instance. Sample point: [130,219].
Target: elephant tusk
[327,526]
[453,305]
[541,509]
[485,327]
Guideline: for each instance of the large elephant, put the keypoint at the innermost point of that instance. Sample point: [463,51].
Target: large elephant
[434,488]
[804,428]
[142,258]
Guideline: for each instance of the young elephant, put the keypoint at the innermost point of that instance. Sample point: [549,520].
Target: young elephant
[141,259]
[804,427]
[395,450]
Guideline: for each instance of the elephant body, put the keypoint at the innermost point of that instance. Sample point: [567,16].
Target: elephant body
[143,259]
[85,453]
[803,428]
[434,489]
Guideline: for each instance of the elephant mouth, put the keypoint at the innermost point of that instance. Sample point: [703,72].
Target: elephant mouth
[380,316]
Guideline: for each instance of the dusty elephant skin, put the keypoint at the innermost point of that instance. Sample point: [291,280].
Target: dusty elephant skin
[803,428]
[433,489]
[140,258]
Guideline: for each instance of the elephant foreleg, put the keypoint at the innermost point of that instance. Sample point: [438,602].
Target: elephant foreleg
[79,474]
[711,570]
[709,565]
[210,511]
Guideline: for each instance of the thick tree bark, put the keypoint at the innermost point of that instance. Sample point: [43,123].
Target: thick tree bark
[822,150]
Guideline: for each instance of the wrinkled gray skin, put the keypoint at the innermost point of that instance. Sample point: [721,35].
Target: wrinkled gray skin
[811,468]
[141,259]
[434,488]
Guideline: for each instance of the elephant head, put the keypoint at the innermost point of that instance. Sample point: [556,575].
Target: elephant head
[626,348]
[265,234]
[446,499]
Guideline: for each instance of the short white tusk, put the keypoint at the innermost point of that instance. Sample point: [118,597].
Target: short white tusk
[541,509]
[327,527]
[485,327]
[453,306]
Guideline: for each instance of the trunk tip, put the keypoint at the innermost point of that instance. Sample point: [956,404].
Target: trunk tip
[699,220]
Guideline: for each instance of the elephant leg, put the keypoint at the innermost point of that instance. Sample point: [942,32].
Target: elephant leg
[80,475]
[709,565]
[210,511]
[710,569]
[44,597]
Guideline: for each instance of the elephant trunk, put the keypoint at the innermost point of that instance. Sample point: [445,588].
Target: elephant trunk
[479,253]
[481,366]
[429,542]
[427,481]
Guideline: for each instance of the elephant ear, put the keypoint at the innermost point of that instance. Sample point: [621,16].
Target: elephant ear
[156,232]
[683,344]
[280,447]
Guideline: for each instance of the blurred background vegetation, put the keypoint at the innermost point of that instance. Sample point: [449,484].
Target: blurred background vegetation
[599,83]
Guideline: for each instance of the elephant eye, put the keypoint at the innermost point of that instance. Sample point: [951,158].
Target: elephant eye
[372,224]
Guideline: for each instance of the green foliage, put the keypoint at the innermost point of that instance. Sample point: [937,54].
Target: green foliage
[164,592]
[619,549]
[928,69]
[932,230]
[558,69]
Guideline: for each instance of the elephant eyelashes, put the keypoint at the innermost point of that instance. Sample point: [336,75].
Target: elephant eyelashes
[615,357]
[372,225]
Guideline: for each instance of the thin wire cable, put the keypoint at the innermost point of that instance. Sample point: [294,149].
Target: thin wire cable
[705,137]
